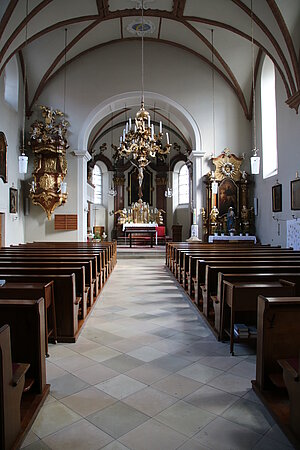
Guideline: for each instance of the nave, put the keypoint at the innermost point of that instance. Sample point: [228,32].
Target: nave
[147,373]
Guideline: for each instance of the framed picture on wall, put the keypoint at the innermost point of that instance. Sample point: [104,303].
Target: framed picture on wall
[3,157]
[13,200]
[277,198]
[295,194]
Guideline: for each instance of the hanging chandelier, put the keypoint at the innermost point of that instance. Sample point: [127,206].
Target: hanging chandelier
[140,142]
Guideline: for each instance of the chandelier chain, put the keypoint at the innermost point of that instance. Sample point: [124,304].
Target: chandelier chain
[213,88]
[25,81]
[253,79]
[65,70]
[143,96]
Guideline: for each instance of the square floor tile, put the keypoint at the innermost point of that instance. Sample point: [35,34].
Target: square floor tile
[211,399]
[150,401]
[73,363]
[177,385]
[232,384]
[101,354]
[53,371]
[250,415]
[221,434]
[171,363]
[268,444]
[199,372]
[244,369]
[118,419]
[115,445]
[152,435]
[88,401]
[66,385]
[53,417]
[120,386]
[123,363]
[185,418]
[79,436]
[96,374]
[148,373]
[146,354]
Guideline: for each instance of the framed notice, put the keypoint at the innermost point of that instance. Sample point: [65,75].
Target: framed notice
[295,194]
[3,157]
[13,200]
[277,198]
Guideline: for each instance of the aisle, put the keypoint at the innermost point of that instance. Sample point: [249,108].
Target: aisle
[147,374]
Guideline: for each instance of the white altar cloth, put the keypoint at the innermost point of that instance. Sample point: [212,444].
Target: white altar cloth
[152,225]
[213,238]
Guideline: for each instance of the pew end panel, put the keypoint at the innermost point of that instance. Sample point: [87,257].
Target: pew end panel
[278,339]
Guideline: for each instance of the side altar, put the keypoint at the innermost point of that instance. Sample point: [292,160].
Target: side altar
[227,209]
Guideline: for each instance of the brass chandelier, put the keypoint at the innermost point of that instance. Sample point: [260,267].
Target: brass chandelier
[141,142]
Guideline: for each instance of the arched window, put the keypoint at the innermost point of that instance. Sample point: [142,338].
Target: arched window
[268,119]
[97,182]
[11,83]
[183,185]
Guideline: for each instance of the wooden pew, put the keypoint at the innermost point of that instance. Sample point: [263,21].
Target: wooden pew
[34,291]
[12,380]
[240,300]
[67,301]
[26,321]
[278,338]
[218,299]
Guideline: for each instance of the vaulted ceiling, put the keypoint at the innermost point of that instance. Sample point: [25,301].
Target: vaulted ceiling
[186,24]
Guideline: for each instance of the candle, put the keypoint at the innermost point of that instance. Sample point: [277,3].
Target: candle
[126,127]
[149,121]
[194,216]
[168,140]
[129,123]
[152,131]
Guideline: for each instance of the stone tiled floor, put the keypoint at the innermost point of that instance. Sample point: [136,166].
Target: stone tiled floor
[147,374]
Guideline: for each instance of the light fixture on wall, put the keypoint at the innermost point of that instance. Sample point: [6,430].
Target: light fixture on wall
[23,159]
[214,184]
[255,159]
[169,190]
[140,141]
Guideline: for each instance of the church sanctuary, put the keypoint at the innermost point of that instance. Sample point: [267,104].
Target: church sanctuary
[149,224]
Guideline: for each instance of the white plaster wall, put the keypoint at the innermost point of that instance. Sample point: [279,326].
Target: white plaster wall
[11,124]
[115,70]
[37,226]
[288,138]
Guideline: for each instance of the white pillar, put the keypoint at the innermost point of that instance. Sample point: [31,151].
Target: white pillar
[197,159]
[83,157]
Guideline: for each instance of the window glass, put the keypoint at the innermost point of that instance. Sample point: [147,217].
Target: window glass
[183,185]
[268,119]
[97,182]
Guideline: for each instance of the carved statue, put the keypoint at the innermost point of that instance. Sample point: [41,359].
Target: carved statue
[245,216]
[230,220]
[214,214]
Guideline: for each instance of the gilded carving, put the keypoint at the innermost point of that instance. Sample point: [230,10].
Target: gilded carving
[47,182]
[227,166]
[50,165]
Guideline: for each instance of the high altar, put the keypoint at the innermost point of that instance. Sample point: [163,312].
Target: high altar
[227,199]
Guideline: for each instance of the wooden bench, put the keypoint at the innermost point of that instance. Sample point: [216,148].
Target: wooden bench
[67,302]
[12,381]
[240,300]
[34,291]
[278,338]
[26,321]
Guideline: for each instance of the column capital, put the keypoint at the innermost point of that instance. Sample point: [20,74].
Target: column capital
[196,154]
[82,154]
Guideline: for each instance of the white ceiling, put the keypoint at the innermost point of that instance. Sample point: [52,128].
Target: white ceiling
[184,23]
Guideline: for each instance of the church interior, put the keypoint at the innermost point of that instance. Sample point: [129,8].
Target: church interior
[149,224]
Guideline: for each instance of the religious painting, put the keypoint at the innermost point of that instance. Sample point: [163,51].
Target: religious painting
[3,157]
[295,194]
[227,196]
[277,198]
[13,200]
[133,187]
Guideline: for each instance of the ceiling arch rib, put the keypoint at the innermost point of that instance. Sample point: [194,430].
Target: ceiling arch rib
[225,66]
[26,20]
[59,57]
[287,37]
[228,81]
[270,36]
[7,15]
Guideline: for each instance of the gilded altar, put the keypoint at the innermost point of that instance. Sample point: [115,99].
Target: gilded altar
[140,213]
[227,198]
